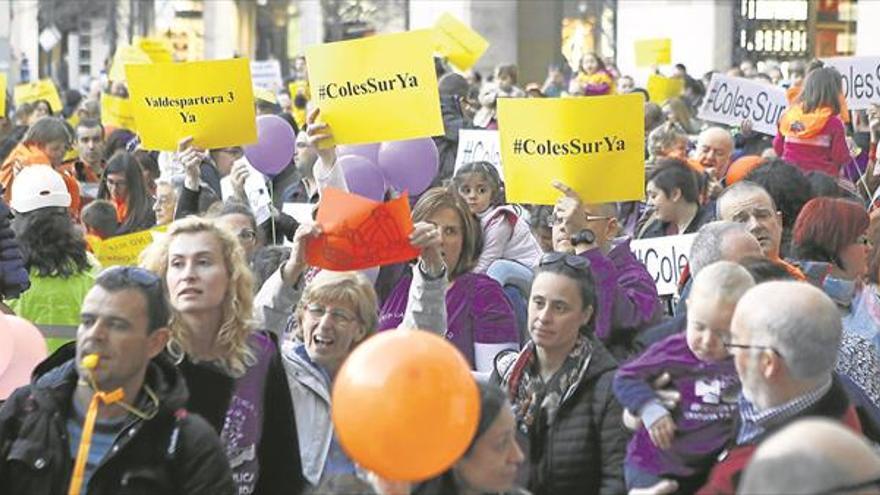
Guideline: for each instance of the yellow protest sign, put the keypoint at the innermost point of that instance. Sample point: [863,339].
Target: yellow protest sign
[662,88]
[116,112]
[595,145]
[265,95]
[43,89]
[211,101]
[456,41]
[653,52]
[3,93]
[158,49]
[121,250]
[381,88]
[126,54]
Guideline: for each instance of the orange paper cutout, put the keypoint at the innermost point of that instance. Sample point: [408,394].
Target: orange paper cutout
[360,233]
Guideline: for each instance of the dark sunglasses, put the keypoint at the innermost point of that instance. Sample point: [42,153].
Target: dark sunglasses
[574,262]
[134,274]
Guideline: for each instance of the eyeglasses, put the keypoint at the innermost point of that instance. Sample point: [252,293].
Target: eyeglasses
[730,345]
[339,317]
[574,262]
[134,274]
[554,219]
[236,151]
[247,235]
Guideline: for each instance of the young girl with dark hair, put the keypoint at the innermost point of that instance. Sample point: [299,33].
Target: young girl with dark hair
[593,79]
[811,135]
[509,248]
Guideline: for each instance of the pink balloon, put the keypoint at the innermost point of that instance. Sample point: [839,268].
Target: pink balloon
[274,147]
[362,176]
[23,349]
[369,151]
[409,165]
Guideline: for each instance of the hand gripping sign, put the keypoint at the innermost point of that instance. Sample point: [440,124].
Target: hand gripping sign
[212,101]
[730,100]
[861,80]
[382,88]
[360,233]
[595,145]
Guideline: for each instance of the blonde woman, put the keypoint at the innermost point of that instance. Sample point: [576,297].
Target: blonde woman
[233,371]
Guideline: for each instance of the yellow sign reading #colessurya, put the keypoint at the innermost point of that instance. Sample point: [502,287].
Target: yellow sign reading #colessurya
[211,101]
[595,145]
[116,112]
[381,88]
[43,89]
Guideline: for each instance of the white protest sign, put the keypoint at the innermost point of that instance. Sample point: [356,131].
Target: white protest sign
[479,146]
[301,212]
[665,259]
[730,100]
[861,79]
[266,74]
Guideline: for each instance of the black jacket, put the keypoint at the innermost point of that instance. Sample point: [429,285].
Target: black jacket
[278,450]
[582,452]
[172,453]
[657,228]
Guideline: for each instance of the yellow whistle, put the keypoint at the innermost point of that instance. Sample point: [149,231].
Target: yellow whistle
[90,362]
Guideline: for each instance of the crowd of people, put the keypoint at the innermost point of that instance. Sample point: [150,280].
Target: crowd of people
[217,354]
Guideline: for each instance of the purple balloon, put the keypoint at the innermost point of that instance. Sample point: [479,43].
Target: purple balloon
[274,147]
[409,165]
[369,151]
[362,176]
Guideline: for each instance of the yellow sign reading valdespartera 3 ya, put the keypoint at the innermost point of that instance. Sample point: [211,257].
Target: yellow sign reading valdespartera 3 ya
[211,101]
[381,88]
[595,145]
[43,89]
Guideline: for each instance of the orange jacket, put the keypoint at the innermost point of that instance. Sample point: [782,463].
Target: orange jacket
[793,92]
[24,156]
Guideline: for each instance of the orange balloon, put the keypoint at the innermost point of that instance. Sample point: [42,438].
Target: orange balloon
[405,405]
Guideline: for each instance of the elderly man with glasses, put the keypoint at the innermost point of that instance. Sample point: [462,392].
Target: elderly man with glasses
[785,338]
[627,300]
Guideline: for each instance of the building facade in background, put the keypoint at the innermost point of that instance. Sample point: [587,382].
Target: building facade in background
[74,40]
